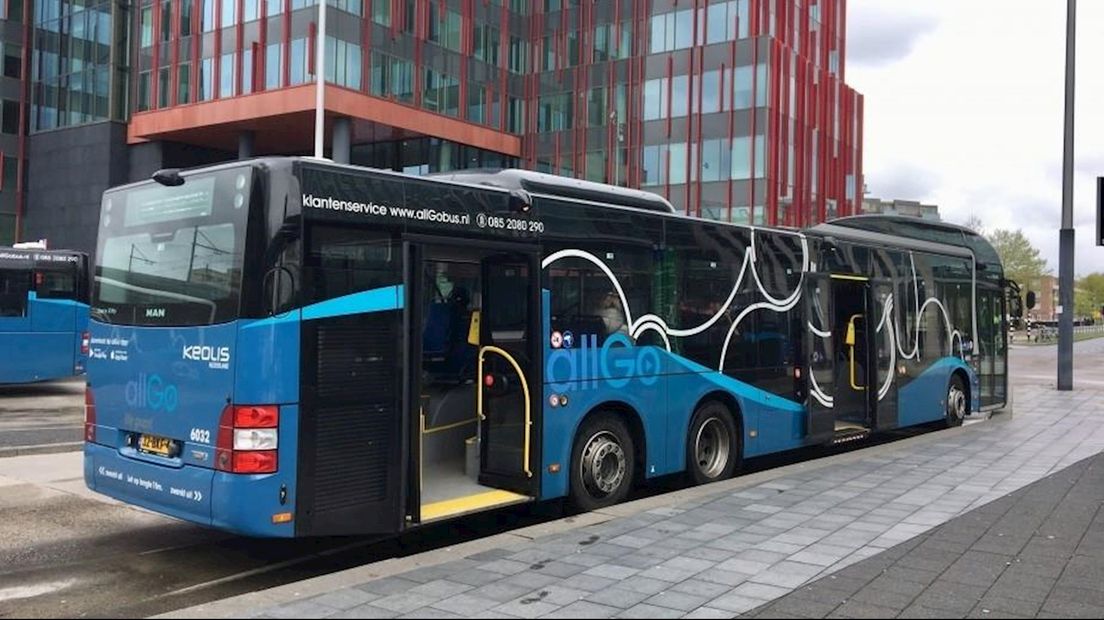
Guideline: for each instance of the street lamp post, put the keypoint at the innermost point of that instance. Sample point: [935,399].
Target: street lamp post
[320,82]
[1066,235]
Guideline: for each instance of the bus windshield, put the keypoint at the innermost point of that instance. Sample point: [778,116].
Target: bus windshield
[173,255]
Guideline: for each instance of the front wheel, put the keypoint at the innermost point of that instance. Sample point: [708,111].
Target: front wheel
[957,403]
[712,444]
[602,463]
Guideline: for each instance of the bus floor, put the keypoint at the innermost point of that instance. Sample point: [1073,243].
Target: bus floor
[448,491]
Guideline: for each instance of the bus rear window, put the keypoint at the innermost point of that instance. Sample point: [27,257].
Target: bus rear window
[173,255]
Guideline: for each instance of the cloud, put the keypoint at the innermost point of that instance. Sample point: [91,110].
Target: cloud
[883,35]
[903,182]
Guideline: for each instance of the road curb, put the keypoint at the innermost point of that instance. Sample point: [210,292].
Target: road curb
[247,604]
[49,448]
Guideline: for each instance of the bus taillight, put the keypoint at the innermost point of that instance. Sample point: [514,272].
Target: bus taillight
[247,439]
[85,341]
[89,415]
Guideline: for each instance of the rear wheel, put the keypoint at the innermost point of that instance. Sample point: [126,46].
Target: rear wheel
[957,403]
[712,444]
[602,462]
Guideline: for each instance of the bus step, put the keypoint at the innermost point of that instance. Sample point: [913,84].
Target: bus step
[847,435]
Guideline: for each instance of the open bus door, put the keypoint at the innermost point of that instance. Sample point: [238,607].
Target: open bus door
[474,377]
[820,360]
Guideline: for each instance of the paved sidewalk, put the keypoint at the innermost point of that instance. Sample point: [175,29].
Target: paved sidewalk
[735,546]
[1036,553]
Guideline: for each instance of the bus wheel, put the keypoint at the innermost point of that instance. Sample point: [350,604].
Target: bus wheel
[601,463]
[956,402]
[712,448]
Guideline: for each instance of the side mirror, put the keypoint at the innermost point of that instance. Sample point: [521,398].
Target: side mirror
[1030,300]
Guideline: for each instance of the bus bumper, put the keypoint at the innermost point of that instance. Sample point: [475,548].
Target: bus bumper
[199,495]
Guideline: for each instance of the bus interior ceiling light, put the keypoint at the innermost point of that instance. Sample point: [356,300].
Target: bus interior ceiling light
[169,177]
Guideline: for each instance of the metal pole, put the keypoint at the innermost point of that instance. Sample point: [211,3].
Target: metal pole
[1066,235]
[320,82]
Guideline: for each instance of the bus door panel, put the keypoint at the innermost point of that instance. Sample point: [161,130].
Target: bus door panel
[508,373]
[853,325]
[884,353]
[820,358]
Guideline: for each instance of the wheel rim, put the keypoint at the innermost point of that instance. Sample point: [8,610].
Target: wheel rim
[603,465]
[711,448]
[956,402]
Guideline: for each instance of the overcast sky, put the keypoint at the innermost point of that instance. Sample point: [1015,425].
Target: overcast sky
[964,105]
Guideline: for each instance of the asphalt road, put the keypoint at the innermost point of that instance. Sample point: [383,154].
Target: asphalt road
[67,552]
[41,417]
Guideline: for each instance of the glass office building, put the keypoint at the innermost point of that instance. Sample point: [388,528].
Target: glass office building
[734,110]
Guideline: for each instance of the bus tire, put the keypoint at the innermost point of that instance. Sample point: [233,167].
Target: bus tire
[958,404]
[602,462]
[712,444]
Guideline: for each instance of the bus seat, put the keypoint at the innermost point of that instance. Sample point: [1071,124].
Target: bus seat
[440,327]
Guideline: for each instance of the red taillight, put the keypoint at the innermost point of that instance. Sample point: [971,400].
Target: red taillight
[89,415]
[259,462]
[256,416]
[85,341]
[245,461]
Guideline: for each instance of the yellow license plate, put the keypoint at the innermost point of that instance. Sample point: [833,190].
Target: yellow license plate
[162,446]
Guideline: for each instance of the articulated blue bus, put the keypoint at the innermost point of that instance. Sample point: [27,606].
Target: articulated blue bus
[43,314]
[297,348]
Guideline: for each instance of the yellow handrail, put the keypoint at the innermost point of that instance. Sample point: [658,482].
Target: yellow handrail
[851,351]
[524,389]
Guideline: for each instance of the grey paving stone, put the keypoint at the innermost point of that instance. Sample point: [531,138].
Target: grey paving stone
[708,613]
[346,598]
[700,587]
[500,592]
[583,609]
[430,612]
[735,603]
[590,583]
[644,610]
[441,588]
[364,611]
[678,600]
[475,577]
[858,609]
[618,597]
[466,604]
[529,607]
[388,586]
[405,602]
[612,571]
[646,585]
[302,609]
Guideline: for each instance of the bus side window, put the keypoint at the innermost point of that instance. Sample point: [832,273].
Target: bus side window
[13,293]
[55,285]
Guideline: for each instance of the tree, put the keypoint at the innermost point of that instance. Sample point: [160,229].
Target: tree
[1021,260]
[974,224]
[1089,295]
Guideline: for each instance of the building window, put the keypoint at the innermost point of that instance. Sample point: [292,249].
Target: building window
[207,79]
[227,74]
[515,115]
[164,87]
[680,95]
[676,156]
[251,10]
[381,12]
[208,15]
[476,105]
[184,84]
[247,70]
[556,112]
[13,61]
[147,26]
[166,20]
[654,170]
[143,91]
[274,65]
[186,18]
[343,63]
[596,107]
[11,173]
[229,13]
[711,92]
[518,54]
[486,44]
[274,7]
[655,99]
[441,93]
[298,61]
